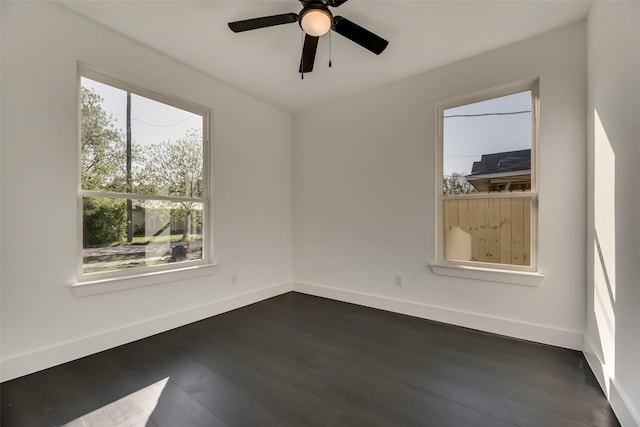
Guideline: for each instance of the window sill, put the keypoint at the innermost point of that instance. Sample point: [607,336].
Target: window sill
[114,284]
[525,278]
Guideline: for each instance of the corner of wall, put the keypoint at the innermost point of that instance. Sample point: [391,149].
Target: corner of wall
[620,403]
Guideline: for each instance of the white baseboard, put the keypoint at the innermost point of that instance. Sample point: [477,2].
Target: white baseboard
[512,328]
[38,360]
[622,406]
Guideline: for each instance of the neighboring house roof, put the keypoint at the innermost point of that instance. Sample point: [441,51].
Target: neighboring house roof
[509,170]
[499,163]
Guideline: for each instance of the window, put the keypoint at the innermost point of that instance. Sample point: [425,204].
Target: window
[487,179]
[143,180]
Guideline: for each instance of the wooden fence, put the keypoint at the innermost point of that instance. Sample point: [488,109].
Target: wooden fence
[488,230]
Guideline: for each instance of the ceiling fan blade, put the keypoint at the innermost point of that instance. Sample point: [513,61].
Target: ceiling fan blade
[308,53]
[336,3]
[265,21]
[357,34]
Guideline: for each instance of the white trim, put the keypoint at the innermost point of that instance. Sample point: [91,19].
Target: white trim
[144,278]
[34,361]
[93,73]
[494,92]
[497,325]
[522,172]
[526,278]
[627,414]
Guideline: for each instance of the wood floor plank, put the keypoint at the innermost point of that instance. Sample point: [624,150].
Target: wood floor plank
[176,408]
[298,360]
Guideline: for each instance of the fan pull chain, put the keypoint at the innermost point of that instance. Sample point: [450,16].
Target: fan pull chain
[302,58]
[329,48]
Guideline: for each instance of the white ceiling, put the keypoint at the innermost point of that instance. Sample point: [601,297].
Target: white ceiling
[422,34]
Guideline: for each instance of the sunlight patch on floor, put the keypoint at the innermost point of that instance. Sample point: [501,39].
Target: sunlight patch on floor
[131,411]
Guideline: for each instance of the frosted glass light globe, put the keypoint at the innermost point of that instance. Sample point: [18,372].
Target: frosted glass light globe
[316,22]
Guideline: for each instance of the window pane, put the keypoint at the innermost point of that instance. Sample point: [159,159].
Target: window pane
[163,232]
[167,149]
[487,145]
[161,155]
[492,230]
[103,136]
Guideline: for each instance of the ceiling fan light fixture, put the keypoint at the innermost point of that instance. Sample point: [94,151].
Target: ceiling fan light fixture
[315,19]
[316,22]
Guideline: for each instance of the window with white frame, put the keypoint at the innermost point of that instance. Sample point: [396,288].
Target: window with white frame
[487,179]
[143,180]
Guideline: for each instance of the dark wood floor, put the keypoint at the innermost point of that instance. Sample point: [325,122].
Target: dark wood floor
[298,360]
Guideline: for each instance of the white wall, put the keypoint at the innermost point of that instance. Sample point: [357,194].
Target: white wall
[364,195]
[1,206]
[42,323]
[612,339]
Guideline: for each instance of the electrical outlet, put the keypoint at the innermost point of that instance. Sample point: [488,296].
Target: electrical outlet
[399,281]
[234,279]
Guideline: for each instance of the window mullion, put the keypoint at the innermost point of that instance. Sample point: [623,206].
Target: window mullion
[113,195]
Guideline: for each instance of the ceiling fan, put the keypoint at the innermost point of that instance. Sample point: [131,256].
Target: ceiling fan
[316,20]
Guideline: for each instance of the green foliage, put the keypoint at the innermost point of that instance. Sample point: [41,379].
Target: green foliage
[175,167]
[456,183]
[103,146]
[102,168]
[104,221]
